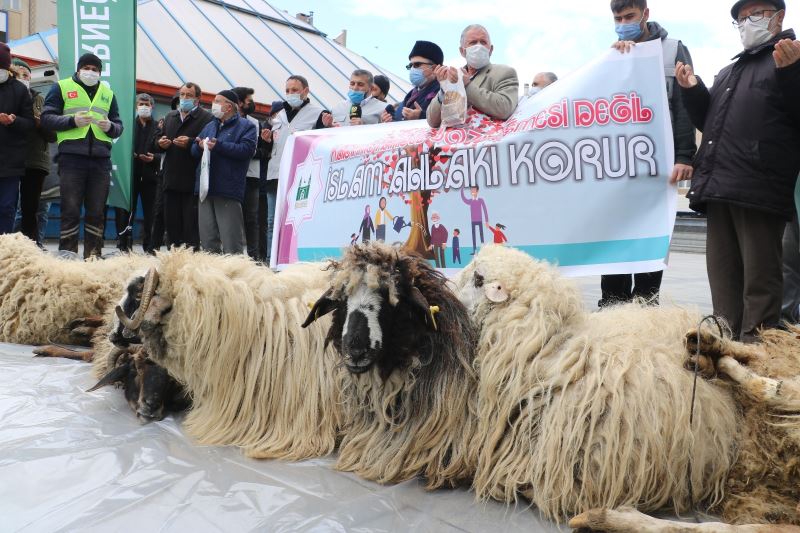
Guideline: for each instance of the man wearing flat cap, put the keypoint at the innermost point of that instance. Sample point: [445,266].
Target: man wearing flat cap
[423,59]
[747,165]
[232,141]
[83,112]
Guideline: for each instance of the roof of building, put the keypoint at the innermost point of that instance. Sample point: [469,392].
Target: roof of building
[221,44]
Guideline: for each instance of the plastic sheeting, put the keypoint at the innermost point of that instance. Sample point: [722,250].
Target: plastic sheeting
[77,461]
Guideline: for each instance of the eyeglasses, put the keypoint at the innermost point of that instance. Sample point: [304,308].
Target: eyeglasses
[418,64]
[758,16]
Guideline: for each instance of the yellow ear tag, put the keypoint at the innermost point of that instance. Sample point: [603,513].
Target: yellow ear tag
[434,309]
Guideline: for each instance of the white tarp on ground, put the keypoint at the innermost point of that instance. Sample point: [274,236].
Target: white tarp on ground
[77,461]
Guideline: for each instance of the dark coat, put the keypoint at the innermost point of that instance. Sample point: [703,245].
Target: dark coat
[423,97]
[53,119]
[15,99]
[750,153]
[180,167]
[682,129]
[144,139]
[230,158]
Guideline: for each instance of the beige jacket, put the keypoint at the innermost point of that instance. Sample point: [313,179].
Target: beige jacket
[494,91]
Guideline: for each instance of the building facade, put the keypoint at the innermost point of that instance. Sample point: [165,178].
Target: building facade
[25,17]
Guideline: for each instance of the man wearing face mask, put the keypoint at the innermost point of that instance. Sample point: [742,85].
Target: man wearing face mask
[144,179]
[491,89]
[83,112]
[633,26]
[360,107]
[232,141]
[175,140]
[16,120]
[296,114]
[745,170]
[37,160]
[540,81]
[425,56]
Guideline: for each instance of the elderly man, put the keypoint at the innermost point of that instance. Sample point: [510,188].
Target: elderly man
[491,89]
[232,141]
[745,170]
[425,56]
[360,107]
[83,112]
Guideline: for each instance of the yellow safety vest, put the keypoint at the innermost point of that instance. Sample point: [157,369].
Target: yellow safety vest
[76,100]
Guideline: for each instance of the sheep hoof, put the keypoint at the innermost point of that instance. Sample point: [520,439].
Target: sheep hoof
[65,353]
[593,520]
[706,367]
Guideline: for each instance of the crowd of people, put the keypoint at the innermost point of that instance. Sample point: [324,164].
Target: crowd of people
[743,175]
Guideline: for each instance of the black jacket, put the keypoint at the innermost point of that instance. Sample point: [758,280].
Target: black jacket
[144,137]
[179,165]
[53,119]
[750,153]
[15,99]
[682,129]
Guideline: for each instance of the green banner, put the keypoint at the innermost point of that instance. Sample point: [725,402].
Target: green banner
[107,29]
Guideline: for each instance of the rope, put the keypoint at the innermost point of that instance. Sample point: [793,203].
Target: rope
[692,404]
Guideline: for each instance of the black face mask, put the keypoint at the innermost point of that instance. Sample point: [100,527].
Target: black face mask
[249,109]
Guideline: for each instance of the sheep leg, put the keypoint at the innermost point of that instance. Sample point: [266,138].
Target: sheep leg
[783,395]
[66,353]
[89,321]
[712,348]
[628,520]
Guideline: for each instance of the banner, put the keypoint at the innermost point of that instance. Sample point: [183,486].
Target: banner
[107,29]
[578,176]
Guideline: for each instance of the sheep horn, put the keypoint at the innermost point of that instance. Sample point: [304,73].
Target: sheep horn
[149,289]
[116,374]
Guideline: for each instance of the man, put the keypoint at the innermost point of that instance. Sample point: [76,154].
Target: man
[380,87]
[540,81]
[478,214]
[360,107]
[232,141]
[175,140]
[83,112]
[745,171]
[633,25]
[423,59]
[247,107]
[438,244]
[491,89]
[790,307]
[37,160]
[382,215]
[144,178]
[297,114]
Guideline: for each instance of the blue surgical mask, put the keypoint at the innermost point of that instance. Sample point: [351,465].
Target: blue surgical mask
[356,96]
[631,31]
[416,77]
[186,105]
[294,100]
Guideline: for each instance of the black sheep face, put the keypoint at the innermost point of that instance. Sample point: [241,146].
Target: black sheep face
[369,331]
[119,335]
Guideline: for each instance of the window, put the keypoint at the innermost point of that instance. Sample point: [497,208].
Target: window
[13,5]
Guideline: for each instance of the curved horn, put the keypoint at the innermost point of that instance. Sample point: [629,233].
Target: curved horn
[149,289]
[114,375]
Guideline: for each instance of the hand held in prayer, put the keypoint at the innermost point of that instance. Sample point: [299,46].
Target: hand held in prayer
[685,75]
[412,114]
[266,135]
[327,120]
[164,143]
[82,120]
[386,117]
[104,124]
[787,53]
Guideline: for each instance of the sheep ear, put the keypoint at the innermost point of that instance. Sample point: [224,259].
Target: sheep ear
[115,375]
[322,307]
[495,292]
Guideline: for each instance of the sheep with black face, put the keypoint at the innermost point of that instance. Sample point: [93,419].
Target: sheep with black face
[408,345]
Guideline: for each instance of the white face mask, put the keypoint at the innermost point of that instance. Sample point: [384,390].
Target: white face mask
[26,83]
[534,90]
[216,110]
[754,34]
[478,56]
[144,111]
[3,75]
[89,77]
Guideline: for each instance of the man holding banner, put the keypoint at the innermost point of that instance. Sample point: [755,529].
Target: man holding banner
[85,116]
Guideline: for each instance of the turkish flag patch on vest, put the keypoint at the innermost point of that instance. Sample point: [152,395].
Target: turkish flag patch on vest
[72,94]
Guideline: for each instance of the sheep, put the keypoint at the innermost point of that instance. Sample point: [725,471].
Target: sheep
[150,391]
[229,331]
[580,412]
[408,345]
[41,296]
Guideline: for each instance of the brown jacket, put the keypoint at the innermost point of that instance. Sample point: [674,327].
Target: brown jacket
[494,90]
